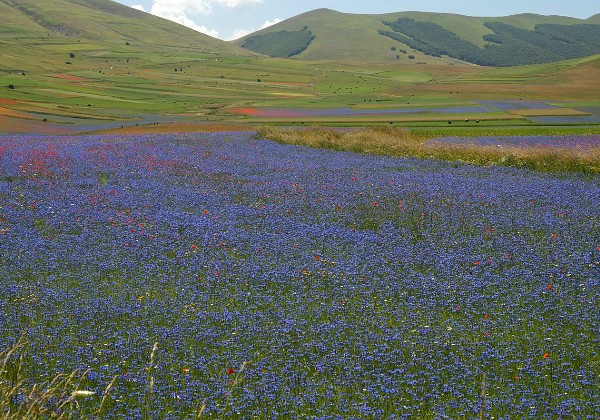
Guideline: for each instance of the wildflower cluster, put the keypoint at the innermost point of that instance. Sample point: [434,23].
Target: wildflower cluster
[287,281]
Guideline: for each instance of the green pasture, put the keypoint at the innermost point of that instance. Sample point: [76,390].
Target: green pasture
[128,78]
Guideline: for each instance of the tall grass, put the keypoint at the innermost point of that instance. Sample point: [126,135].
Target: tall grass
[504,130]
[58,398]
[401,142]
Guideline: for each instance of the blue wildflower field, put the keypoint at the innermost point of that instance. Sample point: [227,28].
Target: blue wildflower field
[282,281]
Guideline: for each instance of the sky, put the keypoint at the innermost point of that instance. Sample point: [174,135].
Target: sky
[232,19]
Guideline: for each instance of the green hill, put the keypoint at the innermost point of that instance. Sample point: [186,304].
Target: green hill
[434,37]
[593,19]
[507,45]
[47,29]
[94,62]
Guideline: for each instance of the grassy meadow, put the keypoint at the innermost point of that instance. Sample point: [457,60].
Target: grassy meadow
[129,82]
[224,275]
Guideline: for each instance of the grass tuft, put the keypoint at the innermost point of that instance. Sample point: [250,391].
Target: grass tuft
[58,399]
[394,141]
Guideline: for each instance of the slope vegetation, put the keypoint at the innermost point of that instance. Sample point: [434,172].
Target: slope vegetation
[437,38]
[280,44]
[99,24]
[509,45]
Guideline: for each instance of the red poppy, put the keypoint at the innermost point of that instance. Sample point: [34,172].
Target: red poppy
[230,371]
[549,287]
[546,355]
[486,316]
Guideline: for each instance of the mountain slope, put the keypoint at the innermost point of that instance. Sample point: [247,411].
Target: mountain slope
[338,36]
[593,19]
[102,22]
[342,36]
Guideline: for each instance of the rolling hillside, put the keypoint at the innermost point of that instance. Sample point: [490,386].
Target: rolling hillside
[49,28]
[433,38]
[86,65]
[593,19]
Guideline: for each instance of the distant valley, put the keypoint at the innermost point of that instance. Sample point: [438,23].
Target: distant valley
[87,65]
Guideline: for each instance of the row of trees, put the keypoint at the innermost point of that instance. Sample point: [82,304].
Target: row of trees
[280,44]
[509,46]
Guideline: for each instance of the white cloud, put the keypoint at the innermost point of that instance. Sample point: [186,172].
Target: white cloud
[239,33]
[234,4]
[182,11]
[270,23]
[186,21]
[169,8]
[196,7]
[138,7]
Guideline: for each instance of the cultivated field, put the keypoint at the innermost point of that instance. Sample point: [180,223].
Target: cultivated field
[73,87]
[220,274]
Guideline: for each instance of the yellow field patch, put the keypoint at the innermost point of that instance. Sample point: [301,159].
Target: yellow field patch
[290,94]
[174,128]
[19,125]
[87,95]
[15,114]
[385,118]
[552,112]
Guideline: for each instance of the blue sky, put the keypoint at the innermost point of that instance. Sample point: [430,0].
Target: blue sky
[230,19]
